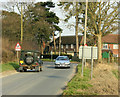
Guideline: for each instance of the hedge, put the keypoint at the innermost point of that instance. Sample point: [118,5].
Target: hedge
[54,56]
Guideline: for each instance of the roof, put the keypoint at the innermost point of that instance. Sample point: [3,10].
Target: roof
[68,40]
[111,38]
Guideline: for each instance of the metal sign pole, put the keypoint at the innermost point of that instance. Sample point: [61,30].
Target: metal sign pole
[17,57]
[91,62]
[17,54]
[82,60]
[51,55]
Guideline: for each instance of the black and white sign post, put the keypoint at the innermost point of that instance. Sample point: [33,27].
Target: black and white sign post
[17,49]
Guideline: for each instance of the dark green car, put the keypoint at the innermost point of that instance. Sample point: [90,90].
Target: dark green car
[30,60]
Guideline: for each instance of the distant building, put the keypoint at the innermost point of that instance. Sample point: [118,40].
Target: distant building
[111,42]
[68,44]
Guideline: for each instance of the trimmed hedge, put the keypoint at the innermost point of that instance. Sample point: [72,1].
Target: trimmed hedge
[54,56]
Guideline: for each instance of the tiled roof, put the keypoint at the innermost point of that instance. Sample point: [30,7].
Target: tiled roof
[111,38]
[68,40]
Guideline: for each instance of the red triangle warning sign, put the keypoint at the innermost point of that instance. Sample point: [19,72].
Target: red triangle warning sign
[17,47]
[85,45]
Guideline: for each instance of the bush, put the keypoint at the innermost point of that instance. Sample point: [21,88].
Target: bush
[54,56]
[75,58]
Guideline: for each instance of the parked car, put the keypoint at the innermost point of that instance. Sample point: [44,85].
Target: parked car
[30,60]
[62,61]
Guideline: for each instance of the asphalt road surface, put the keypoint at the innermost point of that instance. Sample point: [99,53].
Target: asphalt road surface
[50,81]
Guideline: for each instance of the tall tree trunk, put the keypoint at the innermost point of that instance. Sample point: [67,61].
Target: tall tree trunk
[99,48]
[41,48]
[54,43]
[99,36]
[59,43]
[76,29]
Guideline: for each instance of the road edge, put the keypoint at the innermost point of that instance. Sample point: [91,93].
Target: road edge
[7,73]
[74,71]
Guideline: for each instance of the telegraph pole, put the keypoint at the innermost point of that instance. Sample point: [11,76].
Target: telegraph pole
[84,60]
[21,24]
[85,21]
[76,29]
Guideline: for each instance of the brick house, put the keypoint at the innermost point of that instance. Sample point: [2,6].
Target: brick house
[111,42]
[68,44]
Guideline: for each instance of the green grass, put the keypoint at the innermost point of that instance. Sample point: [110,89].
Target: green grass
[53,60]
[115,72]
[48,60]
[9,66]
[79,83]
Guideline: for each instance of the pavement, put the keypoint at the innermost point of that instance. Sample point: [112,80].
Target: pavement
[50,81]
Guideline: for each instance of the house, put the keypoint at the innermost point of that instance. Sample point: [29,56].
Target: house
[111,42]
[68,44]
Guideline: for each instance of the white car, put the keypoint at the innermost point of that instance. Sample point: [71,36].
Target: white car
[62,61]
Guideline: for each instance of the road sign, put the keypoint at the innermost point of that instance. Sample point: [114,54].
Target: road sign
[88,52]
[18,47]
[85,45]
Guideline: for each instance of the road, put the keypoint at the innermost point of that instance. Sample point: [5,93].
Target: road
[50,81]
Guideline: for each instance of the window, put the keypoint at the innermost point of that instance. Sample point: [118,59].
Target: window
[115,46]
[62,58]
[72,46]
[105,46]
[66,46]
[62,46]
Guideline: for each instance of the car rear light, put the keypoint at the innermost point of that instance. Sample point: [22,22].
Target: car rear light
[36,63]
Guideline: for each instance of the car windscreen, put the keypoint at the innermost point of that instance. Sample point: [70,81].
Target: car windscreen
[62,58]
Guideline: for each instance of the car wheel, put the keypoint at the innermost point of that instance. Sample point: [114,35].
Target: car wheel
[40,69]
[55,67]
[25,70]
[21,70]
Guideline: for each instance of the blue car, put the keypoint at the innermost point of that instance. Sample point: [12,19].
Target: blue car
[62,61]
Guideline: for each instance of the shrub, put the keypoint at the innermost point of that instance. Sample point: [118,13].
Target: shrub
[54,56]
[75,58]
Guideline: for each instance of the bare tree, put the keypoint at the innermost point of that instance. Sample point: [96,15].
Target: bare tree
[102,20]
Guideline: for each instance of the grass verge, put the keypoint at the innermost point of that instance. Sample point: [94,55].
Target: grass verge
[79,83]
[115,72]
[9,66]
[49,60]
